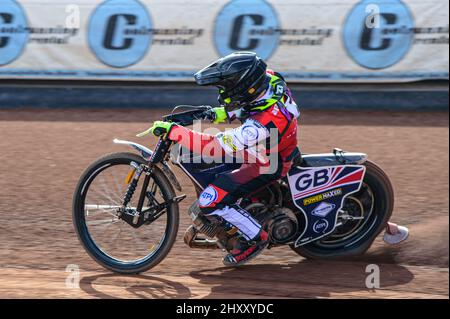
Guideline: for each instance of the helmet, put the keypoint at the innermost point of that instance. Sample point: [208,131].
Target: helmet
[241,77]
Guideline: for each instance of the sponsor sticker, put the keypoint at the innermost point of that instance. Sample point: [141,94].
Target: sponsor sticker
[323,209]
[320,226]
[321,197]
[228,141]
[208,196]
[249,133]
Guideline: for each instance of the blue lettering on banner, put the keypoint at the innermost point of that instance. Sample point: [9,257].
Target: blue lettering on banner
[119,32]
[247,25]
[13,33]
[380,39]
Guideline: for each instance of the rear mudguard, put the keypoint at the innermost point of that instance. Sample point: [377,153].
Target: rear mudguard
[338,157]
[319,184]
[146,153]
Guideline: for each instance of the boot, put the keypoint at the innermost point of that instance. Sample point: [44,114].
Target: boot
[244,250]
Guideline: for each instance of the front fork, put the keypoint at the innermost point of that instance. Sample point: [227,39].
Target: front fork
[138,170]
[142,196]
[160,151]
[138,217]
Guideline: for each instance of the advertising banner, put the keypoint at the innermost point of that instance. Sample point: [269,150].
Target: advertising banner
[169,40]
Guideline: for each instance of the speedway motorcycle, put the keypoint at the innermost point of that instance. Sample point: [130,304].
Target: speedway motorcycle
[126,207]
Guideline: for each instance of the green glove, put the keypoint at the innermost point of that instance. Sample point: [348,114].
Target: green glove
[221,115]
[159,128]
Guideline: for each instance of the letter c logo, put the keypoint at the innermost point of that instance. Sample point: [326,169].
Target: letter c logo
[120,32]
[247,25]
[13,32]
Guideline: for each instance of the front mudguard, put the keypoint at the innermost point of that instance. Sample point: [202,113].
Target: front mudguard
[147,153]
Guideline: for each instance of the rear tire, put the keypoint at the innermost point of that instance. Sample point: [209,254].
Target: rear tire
[383,205]
[81,228]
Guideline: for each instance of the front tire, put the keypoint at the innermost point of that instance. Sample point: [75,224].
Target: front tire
[381,190]
[124,264]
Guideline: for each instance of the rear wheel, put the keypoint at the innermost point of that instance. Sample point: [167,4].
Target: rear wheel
[100,222]
[367,213]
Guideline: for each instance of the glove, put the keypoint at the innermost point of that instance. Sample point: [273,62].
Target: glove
[159,128]
[220,115]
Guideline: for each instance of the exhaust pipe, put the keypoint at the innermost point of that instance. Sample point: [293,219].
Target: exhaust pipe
[191,239]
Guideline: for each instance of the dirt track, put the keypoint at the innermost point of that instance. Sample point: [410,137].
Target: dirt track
[44,153]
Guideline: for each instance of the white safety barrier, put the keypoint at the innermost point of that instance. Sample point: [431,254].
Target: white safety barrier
[160,40]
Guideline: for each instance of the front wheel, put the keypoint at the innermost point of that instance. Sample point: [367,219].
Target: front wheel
[371,208]
[99,220]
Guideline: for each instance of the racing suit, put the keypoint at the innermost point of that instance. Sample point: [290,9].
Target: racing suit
[275,129]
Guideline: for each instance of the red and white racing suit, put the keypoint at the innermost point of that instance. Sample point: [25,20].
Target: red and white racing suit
[276,130]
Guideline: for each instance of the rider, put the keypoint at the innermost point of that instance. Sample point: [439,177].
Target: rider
[261,100]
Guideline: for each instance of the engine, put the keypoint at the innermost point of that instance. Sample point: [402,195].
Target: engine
[283,226]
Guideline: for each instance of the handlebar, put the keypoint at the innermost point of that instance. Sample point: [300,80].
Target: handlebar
[202,112]
[159,132]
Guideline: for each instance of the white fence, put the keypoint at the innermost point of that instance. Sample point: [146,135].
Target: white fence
[168,40]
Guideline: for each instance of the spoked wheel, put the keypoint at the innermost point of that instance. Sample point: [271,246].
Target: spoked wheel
[112,235]
[362,217]
[355,216]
